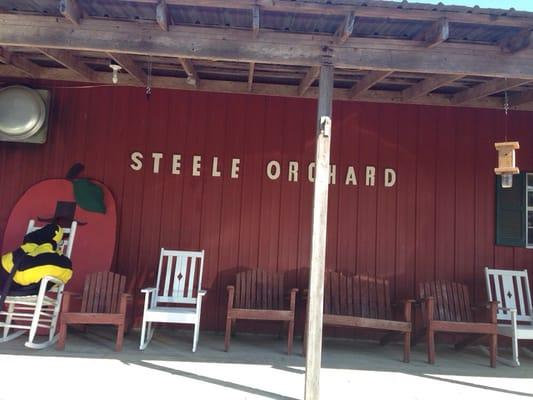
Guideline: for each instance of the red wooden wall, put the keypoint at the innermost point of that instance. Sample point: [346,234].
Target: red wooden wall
[436,222]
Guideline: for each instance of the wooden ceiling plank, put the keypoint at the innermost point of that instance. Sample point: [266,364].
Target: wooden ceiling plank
[71,10]
[126,62]
[518,42]
[232,46]
[438,32]
[255,21]
[251,76]
[367,82]
[20,63]
[308,79]
[345,30]
[192,76]
[486,89]
[428,85]
[161,15]
[370,11]
[69,61]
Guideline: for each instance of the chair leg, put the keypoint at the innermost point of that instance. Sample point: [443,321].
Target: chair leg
[290,337]
[196,335]
[431,345]
[493,350]
[515,350]
[146,334]
[227,336]
[120,337]
[62,336]
[407,347]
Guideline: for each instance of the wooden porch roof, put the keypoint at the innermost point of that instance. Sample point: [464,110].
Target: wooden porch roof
[382,50]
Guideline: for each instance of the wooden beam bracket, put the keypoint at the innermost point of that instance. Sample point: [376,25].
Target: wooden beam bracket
[71,10]
[345,30]
[367,82]
[438,32]
[256,15]
[161,15]
[308,79]
[517,42]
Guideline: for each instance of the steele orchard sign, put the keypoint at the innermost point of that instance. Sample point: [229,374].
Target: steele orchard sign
[292,171]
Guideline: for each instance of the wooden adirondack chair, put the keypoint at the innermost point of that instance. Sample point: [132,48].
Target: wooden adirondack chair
[104,301]
[177,297]
[259,295]
[446,308]
[41,311]
[515,314]
[362,301]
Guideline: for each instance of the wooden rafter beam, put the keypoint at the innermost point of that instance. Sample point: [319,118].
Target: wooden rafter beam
[251,69]
[20,63]
[130,66]
[256,15]
[283,48]
[518,42]
[375,96]
[308,79]
[192,76]
[438,32]
[344,31]
[71,10]
[370,11]
[367,82]
[428,85]
[486,89]
[161,15]
[66,59]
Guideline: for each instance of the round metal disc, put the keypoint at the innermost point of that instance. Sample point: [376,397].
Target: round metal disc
[22,112]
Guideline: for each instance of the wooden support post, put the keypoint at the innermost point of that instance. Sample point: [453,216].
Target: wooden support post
[315,300]
[251,69]
[161,15]
[70,10]
[255,21]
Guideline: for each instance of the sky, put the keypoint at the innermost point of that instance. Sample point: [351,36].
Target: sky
[519,5]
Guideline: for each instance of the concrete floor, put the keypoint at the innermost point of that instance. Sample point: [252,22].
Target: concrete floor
[256,367]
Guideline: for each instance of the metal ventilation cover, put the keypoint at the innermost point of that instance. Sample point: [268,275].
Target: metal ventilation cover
[23,114]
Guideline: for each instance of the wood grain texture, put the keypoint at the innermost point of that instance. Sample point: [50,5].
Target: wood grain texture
[436,222]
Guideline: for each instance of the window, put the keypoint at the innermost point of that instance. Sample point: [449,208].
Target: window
[514,212]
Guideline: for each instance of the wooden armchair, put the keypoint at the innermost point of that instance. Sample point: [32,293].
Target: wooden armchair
[259,295]
[103,302]
[362,301]
[446,308]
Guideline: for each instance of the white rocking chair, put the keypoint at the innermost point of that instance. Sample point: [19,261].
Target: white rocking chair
[28,313]
[515,314]
[177,297]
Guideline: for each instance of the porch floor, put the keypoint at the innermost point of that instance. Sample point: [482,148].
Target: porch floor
[256,367]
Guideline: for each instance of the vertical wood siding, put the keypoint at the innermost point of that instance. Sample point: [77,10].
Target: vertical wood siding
[437,222]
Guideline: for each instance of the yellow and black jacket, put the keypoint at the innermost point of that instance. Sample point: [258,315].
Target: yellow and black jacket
[36,258]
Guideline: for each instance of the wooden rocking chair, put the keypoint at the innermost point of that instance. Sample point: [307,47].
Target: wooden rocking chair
[446,308]
[515,313]
[258,295]
[40,311]
[103,302]
[177,297]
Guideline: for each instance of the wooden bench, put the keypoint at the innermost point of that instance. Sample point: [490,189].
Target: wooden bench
[259,295]
[362,301]
[446,308]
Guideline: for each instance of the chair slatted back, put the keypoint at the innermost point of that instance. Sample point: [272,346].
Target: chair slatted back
[451,300]
[358,296]
[259,289]
[511,290]
[179,276]
[69,234]
[102,291]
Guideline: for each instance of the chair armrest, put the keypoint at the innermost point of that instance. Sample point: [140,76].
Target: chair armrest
[148,290]
[202,293]
[149,299]
[67,296]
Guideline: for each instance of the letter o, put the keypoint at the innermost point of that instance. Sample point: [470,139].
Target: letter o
[273,170]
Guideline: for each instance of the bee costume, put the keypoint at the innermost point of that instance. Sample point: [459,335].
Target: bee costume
[22,270]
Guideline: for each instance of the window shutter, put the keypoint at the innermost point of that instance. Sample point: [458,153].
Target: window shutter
[511,212]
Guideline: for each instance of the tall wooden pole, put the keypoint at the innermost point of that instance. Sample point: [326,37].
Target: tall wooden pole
[318,233]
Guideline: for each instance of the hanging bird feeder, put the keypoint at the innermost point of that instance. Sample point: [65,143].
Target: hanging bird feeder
[506,162]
